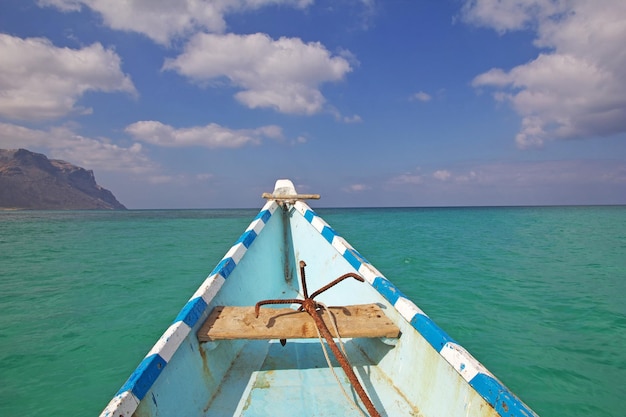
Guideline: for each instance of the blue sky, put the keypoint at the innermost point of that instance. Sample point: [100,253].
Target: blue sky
[204,104]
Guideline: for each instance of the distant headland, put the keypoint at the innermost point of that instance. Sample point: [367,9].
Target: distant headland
[31,181]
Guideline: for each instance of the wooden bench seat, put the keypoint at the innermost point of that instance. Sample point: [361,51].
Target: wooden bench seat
[363,320]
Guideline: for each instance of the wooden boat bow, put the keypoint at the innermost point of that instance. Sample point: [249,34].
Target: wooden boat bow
[219,356]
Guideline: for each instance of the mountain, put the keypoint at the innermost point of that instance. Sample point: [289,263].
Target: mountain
[30,180]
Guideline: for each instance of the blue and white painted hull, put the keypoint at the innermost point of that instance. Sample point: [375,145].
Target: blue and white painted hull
[424,372]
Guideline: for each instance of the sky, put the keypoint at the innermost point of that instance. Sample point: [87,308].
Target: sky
[370,103]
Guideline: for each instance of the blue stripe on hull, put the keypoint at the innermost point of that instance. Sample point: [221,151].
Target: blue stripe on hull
[329,234]
[247,238]
[431,332]
[144,376]
[264,215]
[224,268]
[192,311]
[387,290]
[309,215]
[504,402]
[354,258]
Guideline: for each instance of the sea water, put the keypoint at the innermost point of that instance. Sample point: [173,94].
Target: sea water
[534,293]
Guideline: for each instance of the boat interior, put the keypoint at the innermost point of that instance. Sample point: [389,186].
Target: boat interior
[291,351]
[297,377]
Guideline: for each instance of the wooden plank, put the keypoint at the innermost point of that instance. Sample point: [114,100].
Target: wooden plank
[363,320]
[291,197]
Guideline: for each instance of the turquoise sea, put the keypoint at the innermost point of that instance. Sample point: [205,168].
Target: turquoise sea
[536,294]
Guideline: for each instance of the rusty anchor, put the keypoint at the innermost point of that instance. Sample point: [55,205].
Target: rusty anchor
[312,307]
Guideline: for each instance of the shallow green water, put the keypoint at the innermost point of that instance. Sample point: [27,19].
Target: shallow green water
[536,294]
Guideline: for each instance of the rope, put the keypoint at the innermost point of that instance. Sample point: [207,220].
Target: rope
[311,307]
[328,360]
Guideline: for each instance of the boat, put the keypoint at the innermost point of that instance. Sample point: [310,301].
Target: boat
[293,321]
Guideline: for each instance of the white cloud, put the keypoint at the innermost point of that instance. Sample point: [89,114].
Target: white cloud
[156,178]
[352,119]
[357,188]
[210,136]
[509,15]
[407,178]
[41,81]
[283,74]
[421,96]
[466,177]
[573,89]
[442,175]
[522,174]
[163,21]
[516,182]
[63,143]
[355,118]
[161,179]
[204,177]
